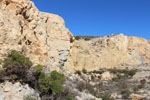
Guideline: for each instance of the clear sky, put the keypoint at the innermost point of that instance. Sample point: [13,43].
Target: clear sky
[101,17]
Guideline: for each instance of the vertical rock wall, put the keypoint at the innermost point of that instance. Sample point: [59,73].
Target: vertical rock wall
[41,36]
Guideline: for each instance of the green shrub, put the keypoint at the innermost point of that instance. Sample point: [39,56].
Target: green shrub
[15,66]
[55,76]
[16,63]
[14,77]
[84,70]
[106,97]
[77,37]
[1,61]
[126,72]
[140,86]
[56,87]
[78,72]
[70,97]
[57,80]
[125,93]
[16,59]
[44,83]
[98,71]
[38,69]
[30,97]
[132,72]
[51,84]
[135,89]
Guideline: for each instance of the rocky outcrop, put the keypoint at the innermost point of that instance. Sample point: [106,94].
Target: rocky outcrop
[41,36]
[118,51]
[136,97]
[16,91]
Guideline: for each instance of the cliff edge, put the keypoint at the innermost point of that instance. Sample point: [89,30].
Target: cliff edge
[41,36]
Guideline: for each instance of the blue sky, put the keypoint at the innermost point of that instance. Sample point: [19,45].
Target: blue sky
[101,17]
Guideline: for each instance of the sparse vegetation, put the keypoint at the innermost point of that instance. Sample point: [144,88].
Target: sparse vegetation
[84,71]
[30,97]
[126,72]
[17,67]
[78,72]
[135,89]
[106,97]
[125,93]
[70,97]
[119,84]
[86,38]
[77,37]
[98,71]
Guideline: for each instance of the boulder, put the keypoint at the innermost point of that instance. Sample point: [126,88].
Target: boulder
[136,97]
[16,91]
[106,76]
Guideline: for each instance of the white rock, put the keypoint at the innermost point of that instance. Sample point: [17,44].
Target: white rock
[136,97]
[7,89]
[106,76]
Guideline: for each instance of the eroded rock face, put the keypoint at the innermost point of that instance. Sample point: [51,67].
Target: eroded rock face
[44,38]
[41,36]
[110,52]
[16,91]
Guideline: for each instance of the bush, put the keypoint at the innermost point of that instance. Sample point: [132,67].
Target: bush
[57,80]
[17,60]
[44,83]
[126,73]
[140,86]
[77,37]
[38,69]
[78,72]
[125,93]
[30,97]
[84,71]
[51,84]
[135,89]
[106,97]
[70,97]
[98,71]
[15,66]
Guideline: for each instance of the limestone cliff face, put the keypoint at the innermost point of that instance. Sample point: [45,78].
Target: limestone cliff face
[109,52]
[44,38]
[41,36]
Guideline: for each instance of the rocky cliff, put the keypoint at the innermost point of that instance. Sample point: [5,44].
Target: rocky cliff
[41,36]
[44,38]
[114,51]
